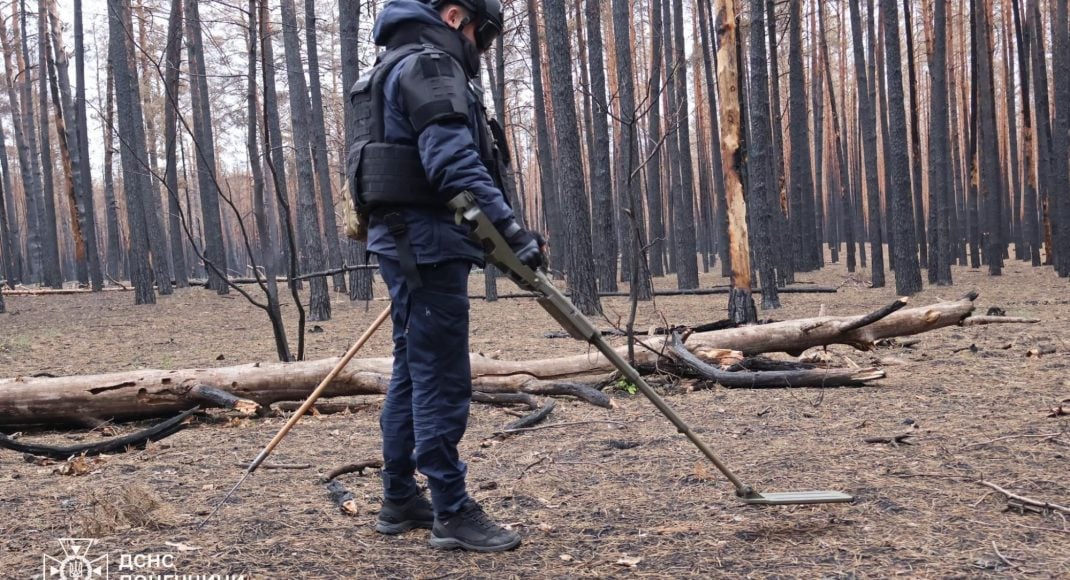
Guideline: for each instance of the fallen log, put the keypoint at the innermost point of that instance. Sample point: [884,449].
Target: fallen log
[118,444]
[149,393]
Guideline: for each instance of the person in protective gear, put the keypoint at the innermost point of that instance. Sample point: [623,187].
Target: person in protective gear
[423,138]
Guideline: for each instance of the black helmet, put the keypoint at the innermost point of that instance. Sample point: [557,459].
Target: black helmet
[487,15]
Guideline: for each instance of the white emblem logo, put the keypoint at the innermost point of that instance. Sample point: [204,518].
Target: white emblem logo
[75,564]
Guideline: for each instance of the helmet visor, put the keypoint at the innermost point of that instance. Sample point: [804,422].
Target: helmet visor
[486,32]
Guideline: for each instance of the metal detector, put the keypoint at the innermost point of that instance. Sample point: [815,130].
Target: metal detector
[572,320]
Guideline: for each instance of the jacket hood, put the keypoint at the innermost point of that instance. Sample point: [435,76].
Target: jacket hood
[404,12]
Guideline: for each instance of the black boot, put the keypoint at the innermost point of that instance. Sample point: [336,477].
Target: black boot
[472,529]
[395,518]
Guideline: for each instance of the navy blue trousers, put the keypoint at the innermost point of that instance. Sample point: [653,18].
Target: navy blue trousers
[426,409]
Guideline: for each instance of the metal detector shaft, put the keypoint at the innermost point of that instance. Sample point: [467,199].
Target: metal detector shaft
[300,412]
[572,320]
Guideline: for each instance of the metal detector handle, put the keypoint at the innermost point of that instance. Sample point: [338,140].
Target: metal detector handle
[571,319]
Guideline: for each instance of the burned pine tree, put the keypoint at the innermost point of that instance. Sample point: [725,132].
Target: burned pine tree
[868,122]
[132,147]
[204,151]
[318,141]
[602,209]
[709,60]
[654,135]
[915,139]
[547,180]
[172,65]
[989,176]
[308,230]
[81,124]
[1060,142]
[684,242]
[905,257]
[580,273]
[1030,221]
[761,189]
[48,224]
[939,155]
[627,165]
[11,265]
[801,196]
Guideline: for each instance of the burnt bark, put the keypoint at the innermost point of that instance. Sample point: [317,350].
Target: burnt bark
[939,154]
[48,224]
[709,58]
[990,180]
[116,262]
[308,231]
[868,122]
[761,187]
[1030,220]
[318,141]
[1060,142]
[172,66]
[81,126]
[915,140]
[684,242]
[580,274]
[603,211]
[204,150]
[132,147]
[907,270]
[1043,123]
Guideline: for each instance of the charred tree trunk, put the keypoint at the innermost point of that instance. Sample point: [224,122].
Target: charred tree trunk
[547,179]
[173,64]
[653,168]
[802,181]
[49,222]
[115,257]
[9,223]
[29,265]
[603,212]
[81,123]
[1044,139]
[760,186]
[204,150]
[1030,221]
[868,122]
[308,231]
[581,273]
[939,154]
[1060,143]
[318,140]
[990,180]
[817,96]
[710,66]
[915,140]
[132,147]
[907,270]
[684,244]
[846,211]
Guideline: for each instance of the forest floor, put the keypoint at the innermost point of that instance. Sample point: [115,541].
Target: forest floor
[621,495]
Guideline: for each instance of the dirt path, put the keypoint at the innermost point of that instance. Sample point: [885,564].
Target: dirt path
[621,497]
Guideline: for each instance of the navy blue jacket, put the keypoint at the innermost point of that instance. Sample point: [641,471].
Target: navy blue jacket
[449,152]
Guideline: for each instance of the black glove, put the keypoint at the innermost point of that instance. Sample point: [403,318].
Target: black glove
[526,245]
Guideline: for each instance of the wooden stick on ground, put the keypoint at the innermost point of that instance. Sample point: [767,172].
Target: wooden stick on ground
[1027,500]
[353,468]
[894,441]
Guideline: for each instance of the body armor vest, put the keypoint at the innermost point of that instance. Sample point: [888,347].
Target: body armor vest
[385,174]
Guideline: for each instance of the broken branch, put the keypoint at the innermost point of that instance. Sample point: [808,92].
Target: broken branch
[118,444]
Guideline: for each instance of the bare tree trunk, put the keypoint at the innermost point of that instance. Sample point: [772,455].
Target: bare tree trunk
[308,231]
[263,226]
[1030,223]
[581,273]
[1060,143]
[740,302]
[173,64]
[318,140]
[684,243]
[81,126]
[116,257]
[907,269]
[132,147]
[761,189]
[603,212]
[868,122]
[53,275]
[915,140]
[628,183]
[939,154]
[817,97]
[709,58]
[9,223]
[204,149]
